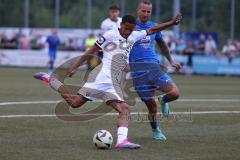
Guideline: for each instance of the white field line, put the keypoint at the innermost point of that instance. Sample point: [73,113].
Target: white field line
[27,102]
[180,100]
[114,114]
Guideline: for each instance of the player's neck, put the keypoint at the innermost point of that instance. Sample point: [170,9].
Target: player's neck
[114,20]
[120,32]
[143,22]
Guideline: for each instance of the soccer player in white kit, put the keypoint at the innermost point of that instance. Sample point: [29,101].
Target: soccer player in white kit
[113,21]
[116,45]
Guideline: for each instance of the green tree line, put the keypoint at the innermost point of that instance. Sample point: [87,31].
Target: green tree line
[212,15]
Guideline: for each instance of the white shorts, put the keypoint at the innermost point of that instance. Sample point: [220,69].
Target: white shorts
[100,86]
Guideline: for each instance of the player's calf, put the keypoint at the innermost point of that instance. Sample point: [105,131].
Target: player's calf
[124,113]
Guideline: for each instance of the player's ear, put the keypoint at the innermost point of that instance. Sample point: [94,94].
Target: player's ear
[121,24]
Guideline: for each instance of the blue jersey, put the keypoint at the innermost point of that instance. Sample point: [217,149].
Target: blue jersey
[53,41]
[144,50]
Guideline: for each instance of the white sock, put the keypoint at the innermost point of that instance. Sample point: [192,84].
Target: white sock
[122,133]
[55,84]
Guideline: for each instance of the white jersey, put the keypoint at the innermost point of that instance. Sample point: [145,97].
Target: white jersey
[108,24]
[116,49]
[104,81]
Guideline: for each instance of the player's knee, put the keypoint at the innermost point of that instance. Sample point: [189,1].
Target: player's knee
[75,102]
[123,109]
[175,94]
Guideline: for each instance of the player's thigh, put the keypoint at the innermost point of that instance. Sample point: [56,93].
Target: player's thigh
[166,84]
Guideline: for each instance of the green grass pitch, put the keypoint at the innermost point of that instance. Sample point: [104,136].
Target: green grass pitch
[210,136]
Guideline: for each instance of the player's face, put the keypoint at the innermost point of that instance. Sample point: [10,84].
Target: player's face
[126,29]
[114,13]
[144,12]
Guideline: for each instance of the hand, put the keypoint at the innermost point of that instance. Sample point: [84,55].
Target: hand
[177,66]
[177,19]
[70,73]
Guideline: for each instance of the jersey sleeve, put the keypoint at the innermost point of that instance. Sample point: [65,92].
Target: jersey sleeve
[102,40]
[137,35]
[158,35]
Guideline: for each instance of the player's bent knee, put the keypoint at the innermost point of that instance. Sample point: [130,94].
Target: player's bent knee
[123,109]
[76,102]
[75,105]
[175,94]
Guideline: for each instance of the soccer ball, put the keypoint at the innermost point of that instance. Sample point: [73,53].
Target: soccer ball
[103,139]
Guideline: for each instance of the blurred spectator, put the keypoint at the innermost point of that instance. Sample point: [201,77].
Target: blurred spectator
[70,44]
[201,44]
[36,42]
[237,45]
[24,42]
[172,44]
[113,21]
[229,50]
[90,41]
[2,36]
[181,45]
[210,46]
[13,43]
[189,51]
[80,44]
[9,43]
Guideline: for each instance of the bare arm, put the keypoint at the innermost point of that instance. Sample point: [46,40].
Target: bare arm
[165,25]
[86,56]
[164,48]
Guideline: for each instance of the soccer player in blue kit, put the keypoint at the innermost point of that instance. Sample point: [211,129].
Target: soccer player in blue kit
[146,71]
[53,42]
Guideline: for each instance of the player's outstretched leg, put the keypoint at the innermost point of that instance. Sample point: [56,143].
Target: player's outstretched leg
[122,124]
[73,100]
[152,116]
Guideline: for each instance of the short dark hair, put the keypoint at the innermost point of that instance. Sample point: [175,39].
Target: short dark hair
[145,1]
[114,7]
[129,18]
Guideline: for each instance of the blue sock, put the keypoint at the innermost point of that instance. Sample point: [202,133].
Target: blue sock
[166,99]
[51,64]
[154,125]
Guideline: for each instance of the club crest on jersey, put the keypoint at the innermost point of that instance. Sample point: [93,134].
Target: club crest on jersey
[147,38]
[101,40]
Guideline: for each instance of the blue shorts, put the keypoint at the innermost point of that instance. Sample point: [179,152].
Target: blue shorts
[148,78]
[52,55]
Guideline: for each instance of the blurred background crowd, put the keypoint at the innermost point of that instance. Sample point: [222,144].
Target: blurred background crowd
[184,44]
